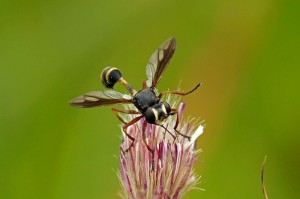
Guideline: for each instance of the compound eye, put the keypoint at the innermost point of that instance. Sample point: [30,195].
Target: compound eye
[110,76]
[167,107]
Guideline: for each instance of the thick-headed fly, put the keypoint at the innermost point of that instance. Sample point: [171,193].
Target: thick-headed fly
[147,102]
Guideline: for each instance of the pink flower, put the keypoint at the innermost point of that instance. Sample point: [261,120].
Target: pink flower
[171,174]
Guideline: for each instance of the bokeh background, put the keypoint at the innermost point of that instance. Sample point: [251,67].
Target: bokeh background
[246,53]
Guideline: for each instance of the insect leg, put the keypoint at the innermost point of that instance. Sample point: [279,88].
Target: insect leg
[173,136]
[134,120]
[175,111]
[144,84]
[116,111]
[145,142]
[178,92]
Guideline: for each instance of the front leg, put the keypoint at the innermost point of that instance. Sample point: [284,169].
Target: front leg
[175,111]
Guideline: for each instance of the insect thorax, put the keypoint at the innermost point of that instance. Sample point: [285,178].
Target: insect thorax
[144,99]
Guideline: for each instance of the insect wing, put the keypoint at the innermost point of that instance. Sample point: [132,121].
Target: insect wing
[100,98]
[158,62]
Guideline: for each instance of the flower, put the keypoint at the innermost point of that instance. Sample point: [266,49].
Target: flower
[167,174]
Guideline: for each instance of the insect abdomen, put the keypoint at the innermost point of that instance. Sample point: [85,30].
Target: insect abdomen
[109,76]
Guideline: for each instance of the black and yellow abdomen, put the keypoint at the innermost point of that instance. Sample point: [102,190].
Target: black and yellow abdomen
[110,76]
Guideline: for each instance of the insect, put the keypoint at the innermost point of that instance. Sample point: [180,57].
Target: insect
[147,102]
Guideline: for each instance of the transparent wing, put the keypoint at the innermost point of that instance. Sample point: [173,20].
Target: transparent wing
[158,62]
[100,98]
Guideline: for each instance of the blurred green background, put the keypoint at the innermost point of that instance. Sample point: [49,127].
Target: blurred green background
[245,52]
